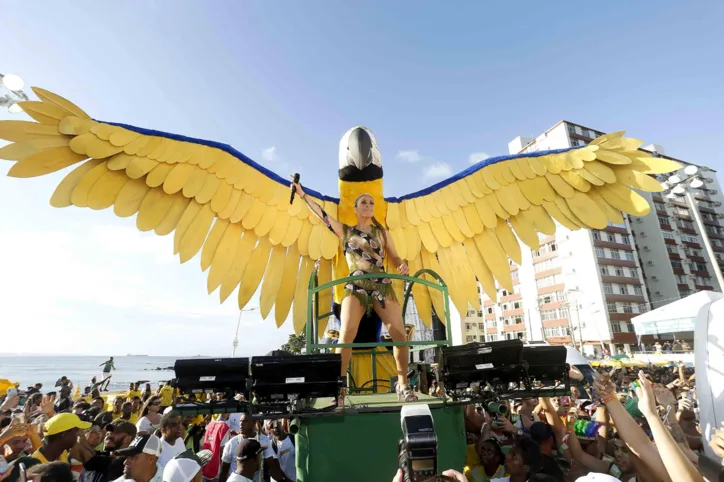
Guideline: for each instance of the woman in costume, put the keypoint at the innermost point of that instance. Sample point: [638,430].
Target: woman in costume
[365,245]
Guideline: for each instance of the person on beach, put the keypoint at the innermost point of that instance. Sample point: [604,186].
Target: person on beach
[107,367]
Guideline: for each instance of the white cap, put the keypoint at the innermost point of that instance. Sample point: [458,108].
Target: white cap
[185,466]
[590,477]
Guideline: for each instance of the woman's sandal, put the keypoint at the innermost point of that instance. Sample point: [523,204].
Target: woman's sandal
[405,394]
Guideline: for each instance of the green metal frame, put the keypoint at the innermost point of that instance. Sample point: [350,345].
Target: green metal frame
[313,318]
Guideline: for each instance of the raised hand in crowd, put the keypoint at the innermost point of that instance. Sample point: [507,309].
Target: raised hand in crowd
[717,442]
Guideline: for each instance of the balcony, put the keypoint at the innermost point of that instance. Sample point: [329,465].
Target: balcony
[621,316]
[675,256]
[697,259]
[683,287]
[548,272]
[558,322]
[517,327]
[670,241]
[620,280]
[631,298]
[518,312]
[617,262]
[600,243]
[624,337]
[692,245]
[615,229]
[666,227]
[678,271]
[687,230]
[550,289]
[704,288]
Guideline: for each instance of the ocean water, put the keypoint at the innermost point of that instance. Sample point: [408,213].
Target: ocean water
[80,369]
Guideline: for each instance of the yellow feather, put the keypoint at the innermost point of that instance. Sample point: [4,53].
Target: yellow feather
[153,209]
[612,214]
[286,289]
[393,216]
[541,220]
[45,162]
[537,166]
[452,228]
[586,210]
[228,211]
[279,229]
[158,175]
[506,201]
[151,144]
[122,137]
[44,113]
[272,280]
[622,143]
[531,191]
[196,233]
[315,241]
[525,231]
[330,242]
[560,186]
[130,197]
[465,276]
[494,256]
[212,243]
[487,215]
[576,157]
[242,208]
[300,295]
[473,186]
[576,181]
[297,207]
[100,149]
[195,182]
[178,178]
[21,150]
[413,241]
[211,185]
[79,196]
[480,269]
[550,164]
[135,145]
[625,199]
[221,258]
[411,212]
[494,206]
[654,165]
[610,157]
[457,194]
[398,239]
[59,101]
[422,210]
[324,275]
[119,162]
[253,217]
[552,209]
[173,216]
[595,180]
[437,201]
[637,180]
[61,196]
[465,191]
[106,189]
[254,272]
[221,197]
[340,270]
[429,261]
[507,241]
[139,166]
[186,219]
[489,178]
[525,168]
[516,170]
[456,292]
[294,228]
[241,258]
[18,131]
[420,294]
[448,196]
[267,222]
[563,206]
[601,171]
[459,217]
[428,240]
[607,137]
[438,228]
[303,240]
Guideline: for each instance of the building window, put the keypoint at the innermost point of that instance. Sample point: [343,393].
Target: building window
[663,220]
[469,338]
[629,255]
[684,293]
[700,267]
[608,288]
[615,254]
[611,306]
[633,273]
[610,237]
[551,297]
[514,274]
[490,310]
[545,265]
[554,314]
[550,280]
[504,293]
[680,279]
[596,235]
[676,265]
[603,270]
[517,305]
[468,326]
[555,331]
[660,207]
[481,327]
[492,337]
[616,327]
[672,249]
[623,289]
[627,308]
[692,266]
[619,272]
[600,253]
[668,235]
[625,239]
[638,291]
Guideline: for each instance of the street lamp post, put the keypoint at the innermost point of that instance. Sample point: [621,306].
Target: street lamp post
[679,187]
[236,335]
[14,85]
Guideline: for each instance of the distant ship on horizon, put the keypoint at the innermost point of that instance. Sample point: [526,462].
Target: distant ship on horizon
[131,354]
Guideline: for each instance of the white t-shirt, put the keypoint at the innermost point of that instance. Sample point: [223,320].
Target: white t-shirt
[238,478]
[229,454]
[144,425]
[234,422]
[287,460]
[169,451]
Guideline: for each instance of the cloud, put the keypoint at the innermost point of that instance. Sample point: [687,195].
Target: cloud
[437,170]
[409,156]
[270,154]
[476,157]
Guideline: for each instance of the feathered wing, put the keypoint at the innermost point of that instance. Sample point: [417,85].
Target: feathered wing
[467,227]
[213,198]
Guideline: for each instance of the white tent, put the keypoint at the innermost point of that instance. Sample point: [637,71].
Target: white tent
[675,317]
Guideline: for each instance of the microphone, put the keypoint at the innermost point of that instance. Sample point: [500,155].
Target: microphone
[296,180]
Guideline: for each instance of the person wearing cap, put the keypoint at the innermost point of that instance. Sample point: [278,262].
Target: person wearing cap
[141,464]
[104,466]
[60,435]
[542,434]
[249,461]
[248,431]
[186,467]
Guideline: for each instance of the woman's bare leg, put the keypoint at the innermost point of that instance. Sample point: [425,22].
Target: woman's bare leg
[351,314]
[391,316]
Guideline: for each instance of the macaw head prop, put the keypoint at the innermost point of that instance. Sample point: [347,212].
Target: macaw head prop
[359,156]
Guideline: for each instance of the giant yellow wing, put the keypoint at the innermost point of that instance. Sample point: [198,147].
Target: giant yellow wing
[465,228]
[213,198]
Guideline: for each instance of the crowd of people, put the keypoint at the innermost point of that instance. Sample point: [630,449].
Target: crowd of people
[630,426]
[58,436]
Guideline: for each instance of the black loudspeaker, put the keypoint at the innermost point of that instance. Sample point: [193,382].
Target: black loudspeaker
[279,380]
[216,375]
[547,369]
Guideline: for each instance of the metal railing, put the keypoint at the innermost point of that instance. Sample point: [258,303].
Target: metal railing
[314,318]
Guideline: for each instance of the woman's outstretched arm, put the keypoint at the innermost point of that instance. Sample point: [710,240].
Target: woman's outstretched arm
[335,226]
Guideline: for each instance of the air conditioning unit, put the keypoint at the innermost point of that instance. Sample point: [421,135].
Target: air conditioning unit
[646,248]
[654,278]
[707,179]
[658,293]
[651,263]
[717,203]
[639,220]
[643,234]
[713,192]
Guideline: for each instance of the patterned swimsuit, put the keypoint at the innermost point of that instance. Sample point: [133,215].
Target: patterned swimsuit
[365,253]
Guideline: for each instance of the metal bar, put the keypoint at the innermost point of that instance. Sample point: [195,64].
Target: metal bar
[382,344]
[310,313]
[415,279]
[439,285]
[374,371]
[448,323]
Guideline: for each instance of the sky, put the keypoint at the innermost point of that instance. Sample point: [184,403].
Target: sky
[281,81]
